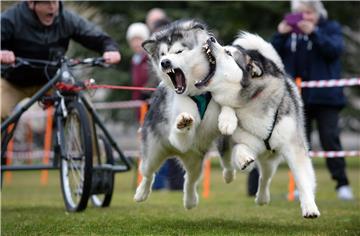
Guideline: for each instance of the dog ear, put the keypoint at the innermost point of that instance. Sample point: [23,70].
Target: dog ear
[149,46]
[253,68]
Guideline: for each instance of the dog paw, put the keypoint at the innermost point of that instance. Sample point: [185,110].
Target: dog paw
[191,201]
[184,121]
[227,128]
[262,198]
[243,162]
[141,193]
[227,123]
[229,175]
[310,212]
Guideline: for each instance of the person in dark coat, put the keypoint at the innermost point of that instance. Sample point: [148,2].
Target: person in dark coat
[311,50]
[42,30]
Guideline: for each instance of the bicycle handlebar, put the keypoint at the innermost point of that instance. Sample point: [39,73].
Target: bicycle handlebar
[92,61]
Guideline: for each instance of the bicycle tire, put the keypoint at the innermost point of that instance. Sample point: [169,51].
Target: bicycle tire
[77,135]
[104,200]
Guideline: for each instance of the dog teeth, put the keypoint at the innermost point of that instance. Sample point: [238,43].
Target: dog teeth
[172,70]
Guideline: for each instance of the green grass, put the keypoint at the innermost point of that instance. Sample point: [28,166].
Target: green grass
[31,209]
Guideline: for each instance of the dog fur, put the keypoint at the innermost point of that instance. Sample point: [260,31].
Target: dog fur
[260,101]
[173,126]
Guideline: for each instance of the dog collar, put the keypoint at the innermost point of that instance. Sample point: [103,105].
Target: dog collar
[202,101]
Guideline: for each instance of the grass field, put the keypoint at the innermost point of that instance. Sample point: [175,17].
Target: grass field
[31,209]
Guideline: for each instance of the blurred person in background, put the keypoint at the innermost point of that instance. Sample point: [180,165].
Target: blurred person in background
[42,30]
[310,46]
[153,17]
[136,34]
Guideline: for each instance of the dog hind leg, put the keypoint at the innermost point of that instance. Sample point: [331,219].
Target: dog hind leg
[267,168]
[302,169]
[148,167]
[193,166]
[224,146]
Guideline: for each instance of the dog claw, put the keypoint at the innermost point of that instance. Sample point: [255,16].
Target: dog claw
[311,216]
[184,121]
[311,212]
[246,164]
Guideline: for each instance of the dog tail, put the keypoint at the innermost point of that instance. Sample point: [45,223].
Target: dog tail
[250,41]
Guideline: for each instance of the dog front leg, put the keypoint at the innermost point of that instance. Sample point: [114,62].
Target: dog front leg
[242,156]
[193,167]
[183,132]
[246,150]
[227,121]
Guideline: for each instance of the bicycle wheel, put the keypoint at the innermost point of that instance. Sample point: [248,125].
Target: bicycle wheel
[107,178]
[76,161]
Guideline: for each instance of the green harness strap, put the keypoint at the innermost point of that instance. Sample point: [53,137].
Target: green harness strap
[202,102]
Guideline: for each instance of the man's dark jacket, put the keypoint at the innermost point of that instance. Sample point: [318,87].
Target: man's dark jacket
[314,58]
[22,33]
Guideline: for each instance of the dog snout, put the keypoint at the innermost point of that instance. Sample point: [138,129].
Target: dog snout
[245,82]
[211,40]
[166,64]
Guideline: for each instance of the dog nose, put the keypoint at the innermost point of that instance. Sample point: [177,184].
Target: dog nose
[245,82]
[166,64]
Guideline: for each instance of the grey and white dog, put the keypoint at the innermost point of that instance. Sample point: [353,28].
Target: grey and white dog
[262,109]
[175,125]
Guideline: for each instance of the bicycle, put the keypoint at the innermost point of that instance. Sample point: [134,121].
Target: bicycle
[85,159]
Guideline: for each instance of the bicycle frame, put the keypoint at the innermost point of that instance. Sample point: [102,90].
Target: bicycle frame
[59,114]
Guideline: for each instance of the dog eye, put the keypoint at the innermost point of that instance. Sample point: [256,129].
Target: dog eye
[228,52]
[179,51]
[162,54]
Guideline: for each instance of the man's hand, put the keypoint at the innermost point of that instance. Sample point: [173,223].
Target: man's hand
[7,57]
[284,28]
[112,57]
[306,27]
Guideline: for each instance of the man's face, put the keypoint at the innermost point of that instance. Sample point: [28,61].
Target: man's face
[45,10]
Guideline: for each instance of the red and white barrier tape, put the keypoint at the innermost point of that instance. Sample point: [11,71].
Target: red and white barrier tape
[330,83]
[318,154]
[334,154]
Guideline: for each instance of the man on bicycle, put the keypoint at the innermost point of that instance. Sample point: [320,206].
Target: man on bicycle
[42,30]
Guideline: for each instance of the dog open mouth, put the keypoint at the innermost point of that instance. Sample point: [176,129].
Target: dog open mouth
[178,79]
[207,49]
